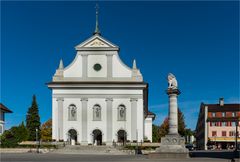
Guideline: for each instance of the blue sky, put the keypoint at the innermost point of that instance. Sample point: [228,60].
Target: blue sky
[196,41]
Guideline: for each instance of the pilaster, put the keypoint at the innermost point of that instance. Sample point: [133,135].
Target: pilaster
[84,121]
[133,118]
[60,119]
[109,66]
[109,121]
[84,66]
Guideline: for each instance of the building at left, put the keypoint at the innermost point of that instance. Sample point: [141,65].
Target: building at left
[3,110]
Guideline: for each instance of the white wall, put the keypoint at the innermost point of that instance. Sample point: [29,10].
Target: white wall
[92,60]
[140,120]
[54,119]
[96,92]
[67,125]
[101,125]
[75,68]
[119,68]
[124,125]
[148,128]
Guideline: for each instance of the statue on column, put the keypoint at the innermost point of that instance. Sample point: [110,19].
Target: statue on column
[172,81]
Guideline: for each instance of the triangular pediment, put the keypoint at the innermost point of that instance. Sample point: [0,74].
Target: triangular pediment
[96,41]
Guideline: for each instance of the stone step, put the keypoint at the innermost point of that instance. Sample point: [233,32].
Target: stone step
[97,150]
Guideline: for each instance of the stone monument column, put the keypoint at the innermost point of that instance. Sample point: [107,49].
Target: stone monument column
[173,111]
[172,145]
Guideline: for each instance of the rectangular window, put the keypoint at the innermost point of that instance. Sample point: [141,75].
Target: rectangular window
[233,114]
[231,133]
[233,124]
[214,133]
[224,133]
[214,124]
[224,124]
[223,114]
[213,114]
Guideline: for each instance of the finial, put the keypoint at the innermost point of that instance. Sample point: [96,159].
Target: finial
[97,31]
[134,64]
[61,65]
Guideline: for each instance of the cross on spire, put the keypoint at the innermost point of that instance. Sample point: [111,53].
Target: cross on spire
[97,31]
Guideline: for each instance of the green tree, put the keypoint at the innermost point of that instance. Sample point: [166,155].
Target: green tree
[189,132]
[33,120]
[155,133]
[13,136]
[46,131]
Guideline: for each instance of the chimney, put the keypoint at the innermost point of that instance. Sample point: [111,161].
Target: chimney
[221,101]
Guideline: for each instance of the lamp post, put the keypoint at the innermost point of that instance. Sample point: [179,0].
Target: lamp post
[236,143]
[236,136]
[37,140]
[215,137]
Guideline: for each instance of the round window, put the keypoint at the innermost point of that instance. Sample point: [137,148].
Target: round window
[97,67]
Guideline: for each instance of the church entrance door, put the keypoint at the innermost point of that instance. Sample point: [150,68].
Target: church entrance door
[97,137]
[72,136]
[122,136]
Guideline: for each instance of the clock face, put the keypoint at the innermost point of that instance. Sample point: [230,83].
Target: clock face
[97,67]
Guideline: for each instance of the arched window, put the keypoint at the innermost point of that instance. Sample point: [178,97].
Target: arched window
[96,112]
[72,112]
[121,112]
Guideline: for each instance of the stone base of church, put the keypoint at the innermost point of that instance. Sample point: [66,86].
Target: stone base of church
[109,143]
[84,143]
[172,146]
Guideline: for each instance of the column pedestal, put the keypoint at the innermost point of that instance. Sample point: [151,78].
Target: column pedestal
[172,145]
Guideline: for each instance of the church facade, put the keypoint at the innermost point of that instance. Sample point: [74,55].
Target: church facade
[97,99]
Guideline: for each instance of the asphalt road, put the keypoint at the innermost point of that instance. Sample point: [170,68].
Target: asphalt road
[51,157]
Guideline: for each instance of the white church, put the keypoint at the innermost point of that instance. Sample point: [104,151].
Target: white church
[97,99]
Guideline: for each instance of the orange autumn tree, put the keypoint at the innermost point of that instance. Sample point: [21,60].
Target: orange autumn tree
[46,131]
[163,130]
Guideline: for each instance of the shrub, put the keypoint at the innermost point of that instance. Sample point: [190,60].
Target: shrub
[11,138]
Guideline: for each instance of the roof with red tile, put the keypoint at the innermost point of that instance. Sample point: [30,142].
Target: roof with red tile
[222,108]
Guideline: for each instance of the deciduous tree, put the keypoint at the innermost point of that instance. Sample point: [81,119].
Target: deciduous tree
[46,131]
[163,130]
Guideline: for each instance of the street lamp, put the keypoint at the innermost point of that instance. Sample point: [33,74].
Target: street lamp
[236,143]
[215,137]
[37,140]
[236,136]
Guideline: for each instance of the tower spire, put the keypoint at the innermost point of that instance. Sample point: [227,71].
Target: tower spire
[134,64]
[61,66]
[97,31]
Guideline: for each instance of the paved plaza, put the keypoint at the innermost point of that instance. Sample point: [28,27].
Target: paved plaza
[52,157]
